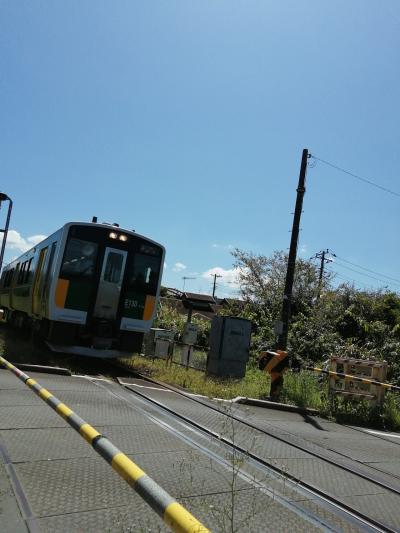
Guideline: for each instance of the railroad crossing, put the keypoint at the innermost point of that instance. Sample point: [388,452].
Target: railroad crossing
[228,464]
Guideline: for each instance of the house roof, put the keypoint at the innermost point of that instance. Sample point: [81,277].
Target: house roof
[198,302]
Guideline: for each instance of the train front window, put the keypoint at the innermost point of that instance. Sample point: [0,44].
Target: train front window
[79,258]
[144,273]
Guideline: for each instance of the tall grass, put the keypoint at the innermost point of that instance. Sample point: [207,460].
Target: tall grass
[304,389]
[254,385]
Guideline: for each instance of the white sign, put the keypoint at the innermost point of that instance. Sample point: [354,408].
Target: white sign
[189,334]
[163,334]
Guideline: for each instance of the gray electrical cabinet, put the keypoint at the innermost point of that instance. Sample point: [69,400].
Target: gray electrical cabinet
[229,346]
[157,342]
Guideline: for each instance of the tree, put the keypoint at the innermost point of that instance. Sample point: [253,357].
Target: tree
[343,321]
[262,280]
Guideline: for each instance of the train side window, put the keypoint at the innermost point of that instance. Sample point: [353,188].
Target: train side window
[28,270]
[9,277]
[21,273]
[32,269]
[79,259]
[17,270]
[45,287]
[50,262]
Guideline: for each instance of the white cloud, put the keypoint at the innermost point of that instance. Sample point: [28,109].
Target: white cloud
[230,277]
[227,247]
[303,248]
[15,241]
[179,267]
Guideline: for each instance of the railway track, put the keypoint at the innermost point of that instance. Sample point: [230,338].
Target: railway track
[332,457]
[356,518]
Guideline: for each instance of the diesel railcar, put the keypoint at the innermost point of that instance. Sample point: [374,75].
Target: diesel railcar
[88,289]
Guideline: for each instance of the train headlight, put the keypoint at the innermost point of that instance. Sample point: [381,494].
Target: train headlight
[113,235]
[123,238]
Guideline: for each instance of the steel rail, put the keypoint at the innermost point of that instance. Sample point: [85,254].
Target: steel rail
[171,512]
[367,520]
[335,462]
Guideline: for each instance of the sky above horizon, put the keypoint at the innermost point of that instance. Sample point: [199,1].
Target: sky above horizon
[186,121]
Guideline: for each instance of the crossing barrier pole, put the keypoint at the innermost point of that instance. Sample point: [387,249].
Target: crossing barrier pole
[341,375]
[171,512]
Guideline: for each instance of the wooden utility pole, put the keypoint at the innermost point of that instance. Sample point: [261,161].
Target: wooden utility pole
[215,282]
[287,296]
[3,197]
[321,255]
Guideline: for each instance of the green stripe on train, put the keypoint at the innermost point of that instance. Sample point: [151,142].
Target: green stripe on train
[78,295]
[133,305]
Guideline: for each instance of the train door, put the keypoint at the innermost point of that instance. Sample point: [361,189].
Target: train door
[44,293]
[14,278]
[112,274]
[38,283]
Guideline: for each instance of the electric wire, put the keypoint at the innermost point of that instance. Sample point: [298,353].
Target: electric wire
[347,279]
[365,180]
[338,261]
[364,274]
[367,269]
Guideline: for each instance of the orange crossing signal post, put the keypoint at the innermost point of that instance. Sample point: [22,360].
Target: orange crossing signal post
[275,363]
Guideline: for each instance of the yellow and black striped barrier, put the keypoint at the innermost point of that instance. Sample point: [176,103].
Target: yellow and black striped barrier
[341,375]
[172,512]
[275,363]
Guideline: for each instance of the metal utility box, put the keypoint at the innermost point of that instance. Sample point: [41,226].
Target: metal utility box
[229,346]
[157,342]
[360,368]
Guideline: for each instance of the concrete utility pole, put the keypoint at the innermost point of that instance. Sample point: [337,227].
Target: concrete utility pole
[3,197]
[287,296]
[215,282]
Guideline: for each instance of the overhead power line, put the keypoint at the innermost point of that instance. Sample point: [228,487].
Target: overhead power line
[368,269]
[337,260]
[364,274]
[346,278]
[365,180]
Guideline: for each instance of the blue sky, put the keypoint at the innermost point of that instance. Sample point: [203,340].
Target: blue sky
[186,121]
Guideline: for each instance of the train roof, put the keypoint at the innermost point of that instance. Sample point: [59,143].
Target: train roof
[103,225]
[116,227]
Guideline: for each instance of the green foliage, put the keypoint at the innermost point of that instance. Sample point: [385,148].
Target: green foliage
[254,385]
[391,411]
[262,280]
[342,321]
[169,318]
[325,321]
[203,331]
[312,337]
[305,390]
[358,412]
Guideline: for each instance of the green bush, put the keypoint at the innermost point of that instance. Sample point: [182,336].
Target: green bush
[169,318]
[391,411]
[305,390]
